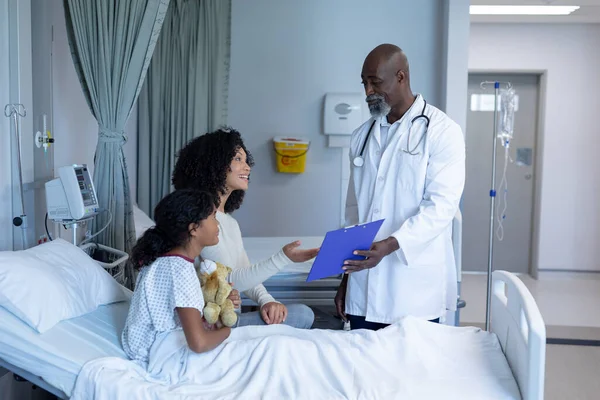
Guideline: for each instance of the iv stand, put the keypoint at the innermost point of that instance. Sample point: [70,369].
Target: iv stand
[492,201]
[15,111]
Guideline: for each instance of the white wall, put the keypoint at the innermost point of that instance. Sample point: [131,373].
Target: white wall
[17,89]
[455,61]
[570,188]
[6,239]
[285,55]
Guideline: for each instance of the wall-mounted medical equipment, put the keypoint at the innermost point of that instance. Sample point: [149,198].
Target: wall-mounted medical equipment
[71,199]
[290,154]
[16,112]
[43,138]
[71,196]
[342,114]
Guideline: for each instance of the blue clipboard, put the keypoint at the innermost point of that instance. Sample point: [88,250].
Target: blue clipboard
[339,245]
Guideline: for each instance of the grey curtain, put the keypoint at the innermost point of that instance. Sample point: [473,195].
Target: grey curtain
[185,92]
[111,45]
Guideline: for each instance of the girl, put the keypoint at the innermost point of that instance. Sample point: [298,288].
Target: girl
[220,163]
[167,294]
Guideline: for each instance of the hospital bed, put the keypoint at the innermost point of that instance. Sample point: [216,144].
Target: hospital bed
[53,360]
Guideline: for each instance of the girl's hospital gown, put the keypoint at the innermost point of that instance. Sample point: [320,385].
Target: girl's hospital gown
[167,283]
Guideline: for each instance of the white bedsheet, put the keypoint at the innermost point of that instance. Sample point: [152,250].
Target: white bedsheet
[411,360]
[58,354]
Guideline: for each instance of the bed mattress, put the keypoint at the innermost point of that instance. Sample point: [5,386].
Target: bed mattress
[58,355]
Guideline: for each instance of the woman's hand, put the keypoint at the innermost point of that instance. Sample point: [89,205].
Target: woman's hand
[297,255]
[235,298]
[273,313]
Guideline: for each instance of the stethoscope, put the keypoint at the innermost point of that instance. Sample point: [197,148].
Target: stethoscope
[359,160]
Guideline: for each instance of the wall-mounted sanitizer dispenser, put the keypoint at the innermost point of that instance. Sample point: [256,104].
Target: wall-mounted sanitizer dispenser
[343,113]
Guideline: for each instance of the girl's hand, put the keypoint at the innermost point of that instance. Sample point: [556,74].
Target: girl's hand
[235,298]
[297,255]
[199,335]
[207,326]
[212,327]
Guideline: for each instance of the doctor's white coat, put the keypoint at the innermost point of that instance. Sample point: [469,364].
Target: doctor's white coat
[418,195]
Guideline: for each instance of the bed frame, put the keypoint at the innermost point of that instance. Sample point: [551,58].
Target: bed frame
[517,322]
[515,319]
[35,380]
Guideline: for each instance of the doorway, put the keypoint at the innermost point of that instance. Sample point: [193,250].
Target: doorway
[514,252]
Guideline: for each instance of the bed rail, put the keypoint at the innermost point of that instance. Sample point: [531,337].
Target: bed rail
[518,324]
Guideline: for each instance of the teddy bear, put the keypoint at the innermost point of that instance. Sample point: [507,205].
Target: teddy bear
[216,289]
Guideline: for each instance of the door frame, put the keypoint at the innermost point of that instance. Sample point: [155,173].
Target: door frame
[542,75]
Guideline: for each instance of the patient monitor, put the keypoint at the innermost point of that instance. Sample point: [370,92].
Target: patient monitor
[71,196]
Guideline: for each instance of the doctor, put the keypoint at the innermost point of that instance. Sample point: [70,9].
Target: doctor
[407,167]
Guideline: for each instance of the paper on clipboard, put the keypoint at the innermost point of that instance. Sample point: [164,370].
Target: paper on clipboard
[339,245]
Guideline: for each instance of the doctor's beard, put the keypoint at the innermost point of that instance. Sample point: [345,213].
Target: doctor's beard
[378,107]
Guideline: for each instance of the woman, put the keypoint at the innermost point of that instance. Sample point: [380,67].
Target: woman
[219,162]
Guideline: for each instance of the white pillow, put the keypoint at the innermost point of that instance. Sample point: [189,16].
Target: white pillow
[53,282]
[141,221]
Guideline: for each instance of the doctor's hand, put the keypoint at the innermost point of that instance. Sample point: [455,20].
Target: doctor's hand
[340,300]
[297,255]
[273,313]
[374,256]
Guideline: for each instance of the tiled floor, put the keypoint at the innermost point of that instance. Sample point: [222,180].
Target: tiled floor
[570,307]
[564,299]
[572,373]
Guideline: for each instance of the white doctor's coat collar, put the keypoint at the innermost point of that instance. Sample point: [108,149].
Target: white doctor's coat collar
[414,110]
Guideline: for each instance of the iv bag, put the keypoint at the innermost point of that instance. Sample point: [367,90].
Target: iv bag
[506,122]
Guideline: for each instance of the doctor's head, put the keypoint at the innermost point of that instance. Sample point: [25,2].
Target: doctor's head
[386,80]
[217,162]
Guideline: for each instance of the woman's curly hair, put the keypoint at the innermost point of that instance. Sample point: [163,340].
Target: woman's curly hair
[205,161]
[173,216]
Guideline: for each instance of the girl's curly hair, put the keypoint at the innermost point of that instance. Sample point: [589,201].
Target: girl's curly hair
[173,216]
[205,161]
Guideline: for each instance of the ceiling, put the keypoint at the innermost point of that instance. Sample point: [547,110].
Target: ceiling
[589,12]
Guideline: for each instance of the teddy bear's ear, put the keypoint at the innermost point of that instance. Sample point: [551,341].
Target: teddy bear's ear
[225,267]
